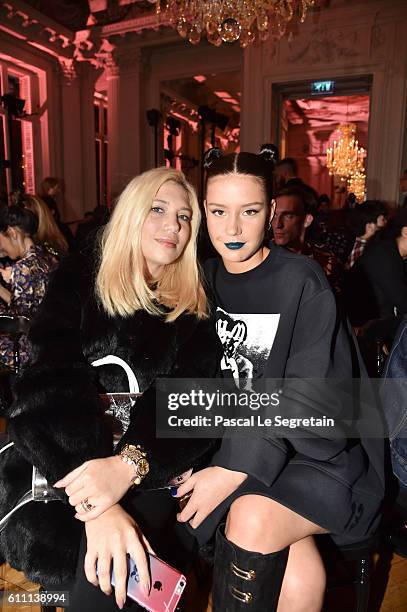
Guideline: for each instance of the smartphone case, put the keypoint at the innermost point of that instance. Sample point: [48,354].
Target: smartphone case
[167,586]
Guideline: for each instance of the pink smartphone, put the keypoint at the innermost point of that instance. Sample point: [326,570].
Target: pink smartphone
[167,585]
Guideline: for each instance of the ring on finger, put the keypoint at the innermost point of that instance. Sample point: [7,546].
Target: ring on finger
[184,500]
[86,505]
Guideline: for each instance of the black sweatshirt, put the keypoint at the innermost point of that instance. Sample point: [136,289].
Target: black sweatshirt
[279,320]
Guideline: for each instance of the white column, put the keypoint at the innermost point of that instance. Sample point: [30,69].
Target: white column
[72,145]
[79,173]
[123,118]
[88,76]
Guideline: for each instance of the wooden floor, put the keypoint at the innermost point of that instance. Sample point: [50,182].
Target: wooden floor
[388,592]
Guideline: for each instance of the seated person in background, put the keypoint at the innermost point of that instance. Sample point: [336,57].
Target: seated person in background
[26,279]
[294,214]
[324,203]
[53,189]
[376,287]
[365,221]
[393,398]
[48,234]
[286,175]
[318,231]
[87,230]
[339,238]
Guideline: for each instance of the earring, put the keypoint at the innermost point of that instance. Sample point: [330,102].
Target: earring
[269,226]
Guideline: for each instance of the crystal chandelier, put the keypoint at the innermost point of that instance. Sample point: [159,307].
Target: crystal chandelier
[345,159]
[357,185]
[230,20]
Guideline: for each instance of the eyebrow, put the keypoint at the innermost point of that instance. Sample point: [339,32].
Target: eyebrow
[241,205]
[187,207]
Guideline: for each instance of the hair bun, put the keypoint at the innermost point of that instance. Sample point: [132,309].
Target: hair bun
[210,156]
[269,152]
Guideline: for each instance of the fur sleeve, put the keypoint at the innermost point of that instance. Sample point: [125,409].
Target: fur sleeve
[198,356]
[56,419]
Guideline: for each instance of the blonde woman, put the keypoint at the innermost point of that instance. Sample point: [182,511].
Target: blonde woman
[140,300]
[48,233]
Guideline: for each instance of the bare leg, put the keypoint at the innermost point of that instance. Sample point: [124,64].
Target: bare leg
[261,524]
[304,579]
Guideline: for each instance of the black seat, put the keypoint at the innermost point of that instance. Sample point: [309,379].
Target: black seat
[360,555]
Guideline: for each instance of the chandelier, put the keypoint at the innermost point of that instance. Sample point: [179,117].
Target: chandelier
[357,185]
[345,159]
[230,20]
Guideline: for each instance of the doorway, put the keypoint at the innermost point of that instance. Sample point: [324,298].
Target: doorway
[199,112]
[308,119]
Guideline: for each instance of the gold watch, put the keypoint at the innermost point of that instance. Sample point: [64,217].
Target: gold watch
[137,457]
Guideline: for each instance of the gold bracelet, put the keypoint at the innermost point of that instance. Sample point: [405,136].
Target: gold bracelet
[135,456]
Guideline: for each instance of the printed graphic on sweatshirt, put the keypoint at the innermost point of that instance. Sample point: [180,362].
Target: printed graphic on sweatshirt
[247,341]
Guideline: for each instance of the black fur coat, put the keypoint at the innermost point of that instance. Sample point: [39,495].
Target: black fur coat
[56,420]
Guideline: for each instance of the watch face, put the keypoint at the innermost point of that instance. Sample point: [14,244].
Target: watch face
[143,467]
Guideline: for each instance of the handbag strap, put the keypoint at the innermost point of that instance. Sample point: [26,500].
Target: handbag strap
[134,387]
[40,491]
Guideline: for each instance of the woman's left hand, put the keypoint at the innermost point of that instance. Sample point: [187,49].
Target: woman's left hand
[208,488]
[97,485]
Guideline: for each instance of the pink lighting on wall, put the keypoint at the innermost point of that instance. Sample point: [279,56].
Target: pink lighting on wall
[200,78]
[222,94]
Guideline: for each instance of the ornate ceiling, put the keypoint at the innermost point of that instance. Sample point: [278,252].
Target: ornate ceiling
[72,14]
[78,14]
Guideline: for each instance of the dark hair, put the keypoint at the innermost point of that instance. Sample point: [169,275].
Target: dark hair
[288,162]
[324,198]
[304,196]
[395,226]
[17,216]
[259,166]
[367,212]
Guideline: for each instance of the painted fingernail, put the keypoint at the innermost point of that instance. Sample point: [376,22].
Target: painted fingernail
[146,588]
[174,491]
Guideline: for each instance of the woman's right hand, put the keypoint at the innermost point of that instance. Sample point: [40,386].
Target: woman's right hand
[110,537]
[6,274]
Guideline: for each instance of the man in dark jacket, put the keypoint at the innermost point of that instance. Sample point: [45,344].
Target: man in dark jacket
[377,287]
[286,175]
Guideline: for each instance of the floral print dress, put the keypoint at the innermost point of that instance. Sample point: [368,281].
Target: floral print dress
[28,283]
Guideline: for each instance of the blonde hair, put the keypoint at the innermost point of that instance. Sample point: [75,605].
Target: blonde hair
[121,283]
[48,231]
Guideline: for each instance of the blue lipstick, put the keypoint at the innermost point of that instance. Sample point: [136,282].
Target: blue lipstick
[234,245]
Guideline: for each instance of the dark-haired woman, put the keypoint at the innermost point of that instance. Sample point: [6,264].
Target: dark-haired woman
[276,492]
[25,281]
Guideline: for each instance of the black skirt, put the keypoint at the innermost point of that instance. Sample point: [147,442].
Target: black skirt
[349,512]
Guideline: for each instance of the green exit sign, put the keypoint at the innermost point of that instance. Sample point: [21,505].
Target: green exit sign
[322,87]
